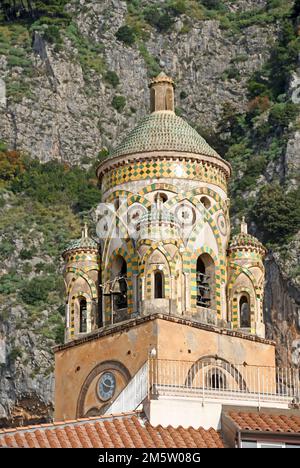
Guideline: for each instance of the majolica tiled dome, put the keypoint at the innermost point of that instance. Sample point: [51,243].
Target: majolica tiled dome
[163,131]
[245,240]
[85,242]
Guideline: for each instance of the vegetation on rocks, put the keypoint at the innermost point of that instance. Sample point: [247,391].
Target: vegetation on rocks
[254,140]
[43,208]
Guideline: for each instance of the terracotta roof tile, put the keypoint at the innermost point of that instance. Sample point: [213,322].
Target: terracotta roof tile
[269,422]
[123,431]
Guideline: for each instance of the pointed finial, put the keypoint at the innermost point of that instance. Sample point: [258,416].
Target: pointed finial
[244,226]
[85,231]
[161,93]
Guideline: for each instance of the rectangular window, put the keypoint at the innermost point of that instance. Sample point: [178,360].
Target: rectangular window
[249,444]
[257,444]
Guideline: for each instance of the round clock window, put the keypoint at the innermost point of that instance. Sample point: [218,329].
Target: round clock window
[106,386]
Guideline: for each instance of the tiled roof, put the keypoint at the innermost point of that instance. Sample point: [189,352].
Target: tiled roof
[242,240]
[82,243]
[265,421]
[163,131]
[121,431]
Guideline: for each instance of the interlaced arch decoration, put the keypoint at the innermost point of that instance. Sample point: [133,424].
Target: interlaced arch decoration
[160,247]
[158,186]
[242,269]
[130,198]
[81,273]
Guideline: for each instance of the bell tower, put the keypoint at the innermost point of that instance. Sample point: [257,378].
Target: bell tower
[173,283]
[245,287]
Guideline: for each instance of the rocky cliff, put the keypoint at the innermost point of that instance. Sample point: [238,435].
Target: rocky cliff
[70,88]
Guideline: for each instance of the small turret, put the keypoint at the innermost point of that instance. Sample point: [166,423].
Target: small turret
[81,272]
[246,281]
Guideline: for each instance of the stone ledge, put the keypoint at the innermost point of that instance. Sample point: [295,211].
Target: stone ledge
[119,327]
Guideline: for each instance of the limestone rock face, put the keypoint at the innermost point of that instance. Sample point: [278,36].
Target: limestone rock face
[70,116]
[27,382]
[282,313]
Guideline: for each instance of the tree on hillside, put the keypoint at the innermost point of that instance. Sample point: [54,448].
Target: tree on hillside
[32,9]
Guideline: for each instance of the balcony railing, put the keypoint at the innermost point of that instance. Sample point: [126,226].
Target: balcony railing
[217,379]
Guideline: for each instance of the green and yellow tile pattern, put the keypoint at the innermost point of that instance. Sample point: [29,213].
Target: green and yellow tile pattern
[160,168]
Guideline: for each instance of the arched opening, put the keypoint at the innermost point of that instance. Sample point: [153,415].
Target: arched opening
[206,202]
[217,380]
[169,99]
[158,285]
[119,285]
[245,317]
[82,315]
[117,203]
[152,99]
[160,198]
[205,280]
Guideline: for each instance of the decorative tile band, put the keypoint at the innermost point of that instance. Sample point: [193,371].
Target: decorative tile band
[246,254]
[163,168]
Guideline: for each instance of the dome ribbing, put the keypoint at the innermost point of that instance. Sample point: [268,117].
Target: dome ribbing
[163,131]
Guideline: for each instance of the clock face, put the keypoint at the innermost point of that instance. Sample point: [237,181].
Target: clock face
[106,386]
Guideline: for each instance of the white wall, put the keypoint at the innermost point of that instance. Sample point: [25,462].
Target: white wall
[189,412]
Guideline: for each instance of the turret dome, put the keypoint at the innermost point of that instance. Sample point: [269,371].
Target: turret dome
[84,243]
[243,240]
[163,131]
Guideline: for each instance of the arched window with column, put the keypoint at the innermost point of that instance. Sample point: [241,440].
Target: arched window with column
[82,315]
[159,292]
[244,309]
[205,280]
[119,284]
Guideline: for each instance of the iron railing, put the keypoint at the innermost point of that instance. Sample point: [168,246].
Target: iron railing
[209,379]
[212,378]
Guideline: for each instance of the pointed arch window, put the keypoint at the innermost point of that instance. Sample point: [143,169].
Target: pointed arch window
[205,202]
[158,285]
[205,280]
[245,317]
[119,287]
[82,315]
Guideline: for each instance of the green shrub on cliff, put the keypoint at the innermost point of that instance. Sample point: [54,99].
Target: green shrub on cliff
[277,213]
[126,34]
[46,182]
